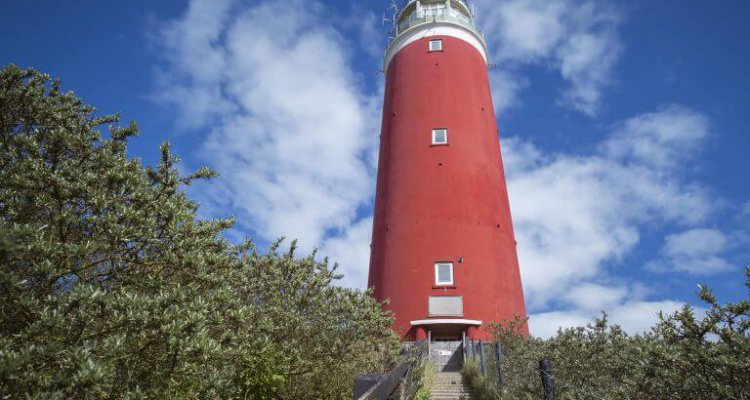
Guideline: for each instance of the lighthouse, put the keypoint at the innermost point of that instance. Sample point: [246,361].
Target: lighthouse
[443,249]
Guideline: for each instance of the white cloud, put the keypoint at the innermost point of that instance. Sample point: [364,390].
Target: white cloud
[352,252]
[576,214]
[640,316]
[663,140]
[370,38]
[696,251]
[634,317]
[545,325]
[625,305]
[188,46]
[289,127]
[695,243]
[595,297]
[526,30]
[506,89]
[579,40]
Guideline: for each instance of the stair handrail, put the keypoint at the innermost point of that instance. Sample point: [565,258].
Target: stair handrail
[403,372]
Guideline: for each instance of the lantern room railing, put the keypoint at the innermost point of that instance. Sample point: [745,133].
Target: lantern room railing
[417,13]
[444,15]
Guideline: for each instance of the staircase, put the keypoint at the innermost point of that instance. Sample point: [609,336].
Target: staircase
[449,386]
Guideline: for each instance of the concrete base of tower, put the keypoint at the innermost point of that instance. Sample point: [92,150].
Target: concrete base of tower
[445,329]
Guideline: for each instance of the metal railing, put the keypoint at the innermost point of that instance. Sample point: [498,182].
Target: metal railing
[444,15]
[405,3]
[406,373]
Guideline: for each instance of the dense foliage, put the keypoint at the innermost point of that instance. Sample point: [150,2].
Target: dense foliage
[683,357]
[111,287]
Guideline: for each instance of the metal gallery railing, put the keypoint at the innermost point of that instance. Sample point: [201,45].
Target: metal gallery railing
[444,15]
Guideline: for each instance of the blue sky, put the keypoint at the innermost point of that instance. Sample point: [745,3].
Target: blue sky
[623,125]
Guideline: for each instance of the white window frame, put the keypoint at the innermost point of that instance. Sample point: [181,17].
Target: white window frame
[438,43]
[434,136]
[437,274]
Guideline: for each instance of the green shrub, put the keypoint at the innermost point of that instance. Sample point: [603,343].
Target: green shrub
[483,387]
[111,287]
[428,378]
[682,357]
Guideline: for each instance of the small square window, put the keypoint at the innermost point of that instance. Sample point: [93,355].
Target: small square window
[436,45]
[443,274]
[440,136]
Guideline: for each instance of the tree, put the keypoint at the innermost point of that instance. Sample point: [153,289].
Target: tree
[111,287]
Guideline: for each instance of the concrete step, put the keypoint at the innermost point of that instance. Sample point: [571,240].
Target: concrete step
[437,385]
[456,379]
[449,386]
[459,383]
[453,387]
[454,394]
[433,397]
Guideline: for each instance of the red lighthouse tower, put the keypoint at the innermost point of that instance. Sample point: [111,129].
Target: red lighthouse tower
[443,249]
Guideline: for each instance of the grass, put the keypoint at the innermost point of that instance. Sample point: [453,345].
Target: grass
[483,387]
[427,380]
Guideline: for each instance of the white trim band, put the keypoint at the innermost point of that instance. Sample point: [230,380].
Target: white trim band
[446,322]
[437,28]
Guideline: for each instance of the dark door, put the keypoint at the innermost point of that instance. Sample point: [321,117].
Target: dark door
[447,355]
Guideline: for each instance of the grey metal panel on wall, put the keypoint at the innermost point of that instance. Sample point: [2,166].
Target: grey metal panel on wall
[446,306]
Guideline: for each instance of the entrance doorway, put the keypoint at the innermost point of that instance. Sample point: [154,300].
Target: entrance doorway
[446,347]
[447,355]
[446,338]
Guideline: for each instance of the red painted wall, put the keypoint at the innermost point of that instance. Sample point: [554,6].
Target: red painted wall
[439,203]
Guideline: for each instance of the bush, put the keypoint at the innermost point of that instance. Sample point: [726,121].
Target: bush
[683,357]
[427,379]
[484,387]
[111,287]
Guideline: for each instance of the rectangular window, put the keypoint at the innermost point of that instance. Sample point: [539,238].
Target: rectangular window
[436,45]
[440,136]
[443,274]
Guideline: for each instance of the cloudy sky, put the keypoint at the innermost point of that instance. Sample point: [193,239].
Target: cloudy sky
[623,125]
